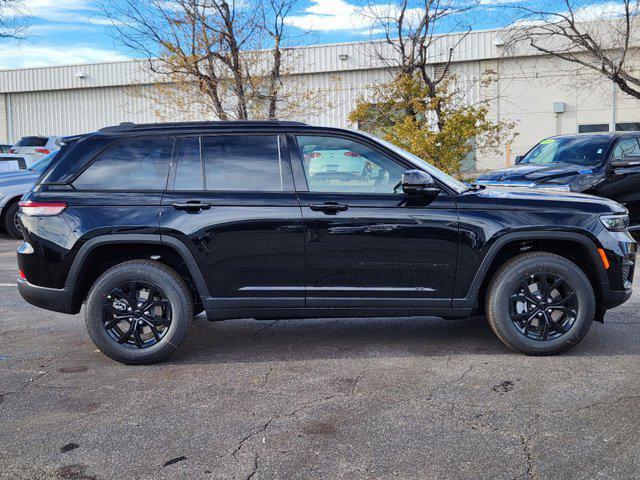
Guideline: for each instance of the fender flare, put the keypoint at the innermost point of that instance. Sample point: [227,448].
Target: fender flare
[155,239]
[480,276]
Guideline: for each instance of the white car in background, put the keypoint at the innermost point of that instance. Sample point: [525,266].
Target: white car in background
[35,147]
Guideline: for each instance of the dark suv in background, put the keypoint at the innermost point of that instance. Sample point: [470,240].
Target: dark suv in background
[603,164]
[148,225]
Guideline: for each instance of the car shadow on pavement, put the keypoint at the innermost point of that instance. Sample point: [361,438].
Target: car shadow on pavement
[242,341]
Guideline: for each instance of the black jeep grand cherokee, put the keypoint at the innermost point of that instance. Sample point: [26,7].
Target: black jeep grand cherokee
[150,224]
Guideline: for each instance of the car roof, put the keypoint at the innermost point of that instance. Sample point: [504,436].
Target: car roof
[610,135]
[134,128]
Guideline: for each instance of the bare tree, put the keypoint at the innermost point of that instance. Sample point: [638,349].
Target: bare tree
[602,38]
[413,31]
[212,56]
[12,19]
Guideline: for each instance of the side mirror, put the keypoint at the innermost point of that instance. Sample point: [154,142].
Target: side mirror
[518,158]
[417,182]
[628,161]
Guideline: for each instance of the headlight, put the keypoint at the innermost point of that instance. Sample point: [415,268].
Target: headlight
[552,187]
[615,223]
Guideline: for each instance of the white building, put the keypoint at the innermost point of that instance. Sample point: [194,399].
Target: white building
[544,97]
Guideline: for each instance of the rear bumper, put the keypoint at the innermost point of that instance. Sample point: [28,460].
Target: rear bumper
[57,300]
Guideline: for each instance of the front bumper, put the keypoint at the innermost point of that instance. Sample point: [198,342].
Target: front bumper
[57,300]
[620,248]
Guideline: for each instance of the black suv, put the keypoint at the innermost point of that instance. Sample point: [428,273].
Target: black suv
[603,164]
[148,225]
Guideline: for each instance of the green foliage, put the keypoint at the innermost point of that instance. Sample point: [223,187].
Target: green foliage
[429,122]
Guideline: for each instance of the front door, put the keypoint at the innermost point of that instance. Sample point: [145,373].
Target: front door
[623,185]
[368,244]
[231,201]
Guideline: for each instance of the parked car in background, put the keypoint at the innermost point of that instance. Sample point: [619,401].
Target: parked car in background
[13,185]
[603,164]
[10,162]
[35,147]
[148,224]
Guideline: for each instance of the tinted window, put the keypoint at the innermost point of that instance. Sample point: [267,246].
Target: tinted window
[32,142]
[140,164]
[333,164]
[189,168]
[587,151]
[247,162]
[628,146]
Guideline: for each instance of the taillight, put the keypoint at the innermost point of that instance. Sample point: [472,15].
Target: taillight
[12,150]
[21,275]
[42,209]
[43,150]
[351,154]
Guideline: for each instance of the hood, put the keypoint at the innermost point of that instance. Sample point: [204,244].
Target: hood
[578,177]
[502,198]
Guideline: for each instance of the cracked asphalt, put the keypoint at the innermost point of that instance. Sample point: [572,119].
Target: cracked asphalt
[360,398]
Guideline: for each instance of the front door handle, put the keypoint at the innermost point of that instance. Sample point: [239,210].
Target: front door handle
[329,208]
[192,206]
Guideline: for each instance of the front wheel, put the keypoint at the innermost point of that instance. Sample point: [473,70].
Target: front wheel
[138,312]
[540,304]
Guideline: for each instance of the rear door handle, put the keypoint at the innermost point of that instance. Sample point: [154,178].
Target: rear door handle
[192,206]
[329,207]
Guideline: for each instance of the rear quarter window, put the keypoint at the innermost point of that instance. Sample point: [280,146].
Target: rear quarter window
[130,165]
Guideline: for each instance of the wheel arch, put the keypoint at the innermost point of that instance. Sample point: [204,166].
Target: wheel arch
[576,247]
[100,253]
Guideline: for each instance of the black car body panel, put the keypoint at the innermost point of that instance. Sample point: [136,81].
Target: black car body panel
[619,184]
[297,253]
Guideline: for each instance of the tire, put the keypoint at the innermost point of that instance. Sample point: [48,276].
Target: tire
[524,277]
[174,303]
[10,217]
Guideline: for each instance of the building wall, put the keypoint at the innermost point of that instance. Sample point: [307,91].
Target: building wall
[75,99]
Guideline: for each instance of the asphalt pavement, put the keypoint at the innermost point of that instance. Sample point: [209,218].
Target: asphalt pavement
[357,398]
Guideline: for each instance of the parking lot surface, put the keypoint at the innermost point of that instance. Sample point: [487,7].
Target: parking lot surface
[378,398]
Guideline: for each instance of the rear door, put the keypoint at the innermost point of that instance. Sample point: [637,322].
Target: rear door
[231,202]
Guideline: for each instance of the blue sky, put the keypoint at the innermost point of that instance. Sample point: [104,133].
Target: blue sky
[63,32]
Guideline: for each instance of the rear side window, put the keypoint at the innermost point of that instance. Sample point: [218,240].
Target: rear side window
[133,164]
[32,142]
[243,163]
[628,146]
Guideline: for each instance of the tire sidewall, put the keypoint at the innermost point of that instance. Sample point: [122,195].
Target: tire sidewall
[9,225]
[505,287]
[181,312]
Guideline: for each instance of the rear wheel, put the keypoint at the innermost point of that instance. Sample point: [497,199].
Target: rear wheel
[11,223]
[138,312]
[540,304]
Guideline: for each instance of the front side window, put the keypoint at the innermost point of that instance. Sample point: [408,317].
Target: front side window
[243,163]
[132,164]
[333,164]
[628,146]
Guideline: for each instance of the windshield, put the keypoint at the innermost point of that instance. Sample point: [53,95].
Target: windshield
[586,151]
[43,163]
[448,180]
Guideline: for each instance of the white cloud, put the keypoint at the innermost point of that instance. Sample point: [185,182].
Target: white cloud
[339,15]
[14,55]
[79,11]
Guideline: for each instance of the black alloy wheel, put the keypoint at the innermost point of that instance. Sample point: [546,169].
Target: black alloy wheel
[544,306]
[136,314]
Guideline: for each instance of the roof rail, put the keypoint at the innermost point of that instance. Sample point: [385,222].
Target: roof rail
[126,126]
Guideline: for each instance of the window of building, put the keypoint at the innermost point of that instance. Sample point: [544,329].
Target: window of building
[334,164]
[593,128]
[243,162]
[132,164]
